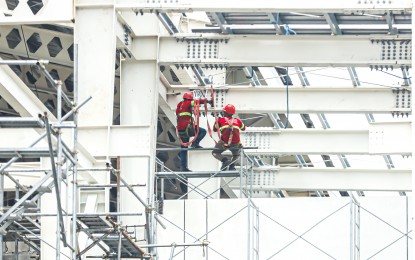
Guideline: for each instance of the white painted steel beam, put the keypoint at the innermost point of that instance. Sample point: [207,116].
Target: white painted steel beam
[41,12]
[276,50]
[349,179]
[134,141]
[113,141]
[311,99]
[335,6]
[40,37]
[381,138]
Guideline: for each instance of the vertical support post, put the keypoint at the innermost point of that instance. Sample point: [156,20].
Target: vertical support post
[249,227]
[119,244]
[173,246]
[241,170]
[413,109]
[59,165]
[75,156]
[16,249]
[118,195]
[351,229]
[1,208]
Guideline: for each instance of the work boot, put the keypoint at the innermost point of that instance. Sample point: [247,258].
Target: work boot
[232,167]
[225,164]
[184,169]
[195,145]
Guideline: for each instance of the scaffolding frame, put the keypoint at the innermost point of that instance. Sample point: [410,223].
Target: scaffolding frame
[64,156]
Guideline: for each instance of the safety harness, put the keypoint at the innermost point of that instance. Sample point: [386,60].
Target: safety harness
[192,123]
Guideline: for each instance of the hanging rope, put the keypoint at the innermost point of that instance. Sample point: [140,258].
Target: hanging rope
[216,125]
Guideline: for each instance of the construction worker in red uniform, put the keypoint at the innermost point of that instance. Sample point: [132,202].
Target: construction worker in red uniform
[230,138]
[185,126]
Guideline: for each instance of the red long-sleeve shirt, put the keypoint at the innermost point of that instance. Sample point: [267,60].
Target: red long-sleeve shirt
[227,125]
[184,112]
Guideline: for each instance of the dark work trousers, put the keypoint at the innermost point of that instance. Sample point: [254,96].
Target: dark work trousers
[185,136]
[220,148]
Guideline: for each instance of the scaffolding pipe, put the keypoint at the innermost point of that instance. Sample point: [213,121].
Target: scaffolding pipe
[1,208]
[125,235]
[75,109]
[103,214]
[55,83]
[93,169]
[23,62]
[96,241]
[23,188]
[107,185]
[28,170]
[58,176]
[57,190]
[12,160]
[173,246]
[119,246]
[240,174]
[75,155]
[204,243]
[205,149]
[90,236]
[25,197]
[118,194]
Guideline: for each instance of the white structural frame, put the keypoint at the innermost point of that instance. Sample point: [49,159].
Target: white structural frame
[149,50]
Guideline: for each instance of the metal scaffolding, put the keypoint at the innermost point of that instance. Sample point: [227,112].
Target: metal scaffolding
[19,222]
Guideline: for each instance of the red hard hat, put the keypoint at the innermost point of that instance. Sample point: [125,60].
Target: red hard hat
[230,109]
[188,95]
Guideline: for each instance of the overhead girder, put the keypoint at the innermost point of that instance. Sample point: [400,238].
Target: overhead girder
[330,178]
[36,43]
[319,6]
[310,99]
[380,138]
[214,51]
[36,12]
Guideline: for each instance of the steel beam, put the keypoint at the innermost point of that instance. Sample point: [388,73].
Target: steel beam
[37,12]
[44,37]
[137,138]
[381,138]
[276,50]
[309,179]
[261,6]
[311,99]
